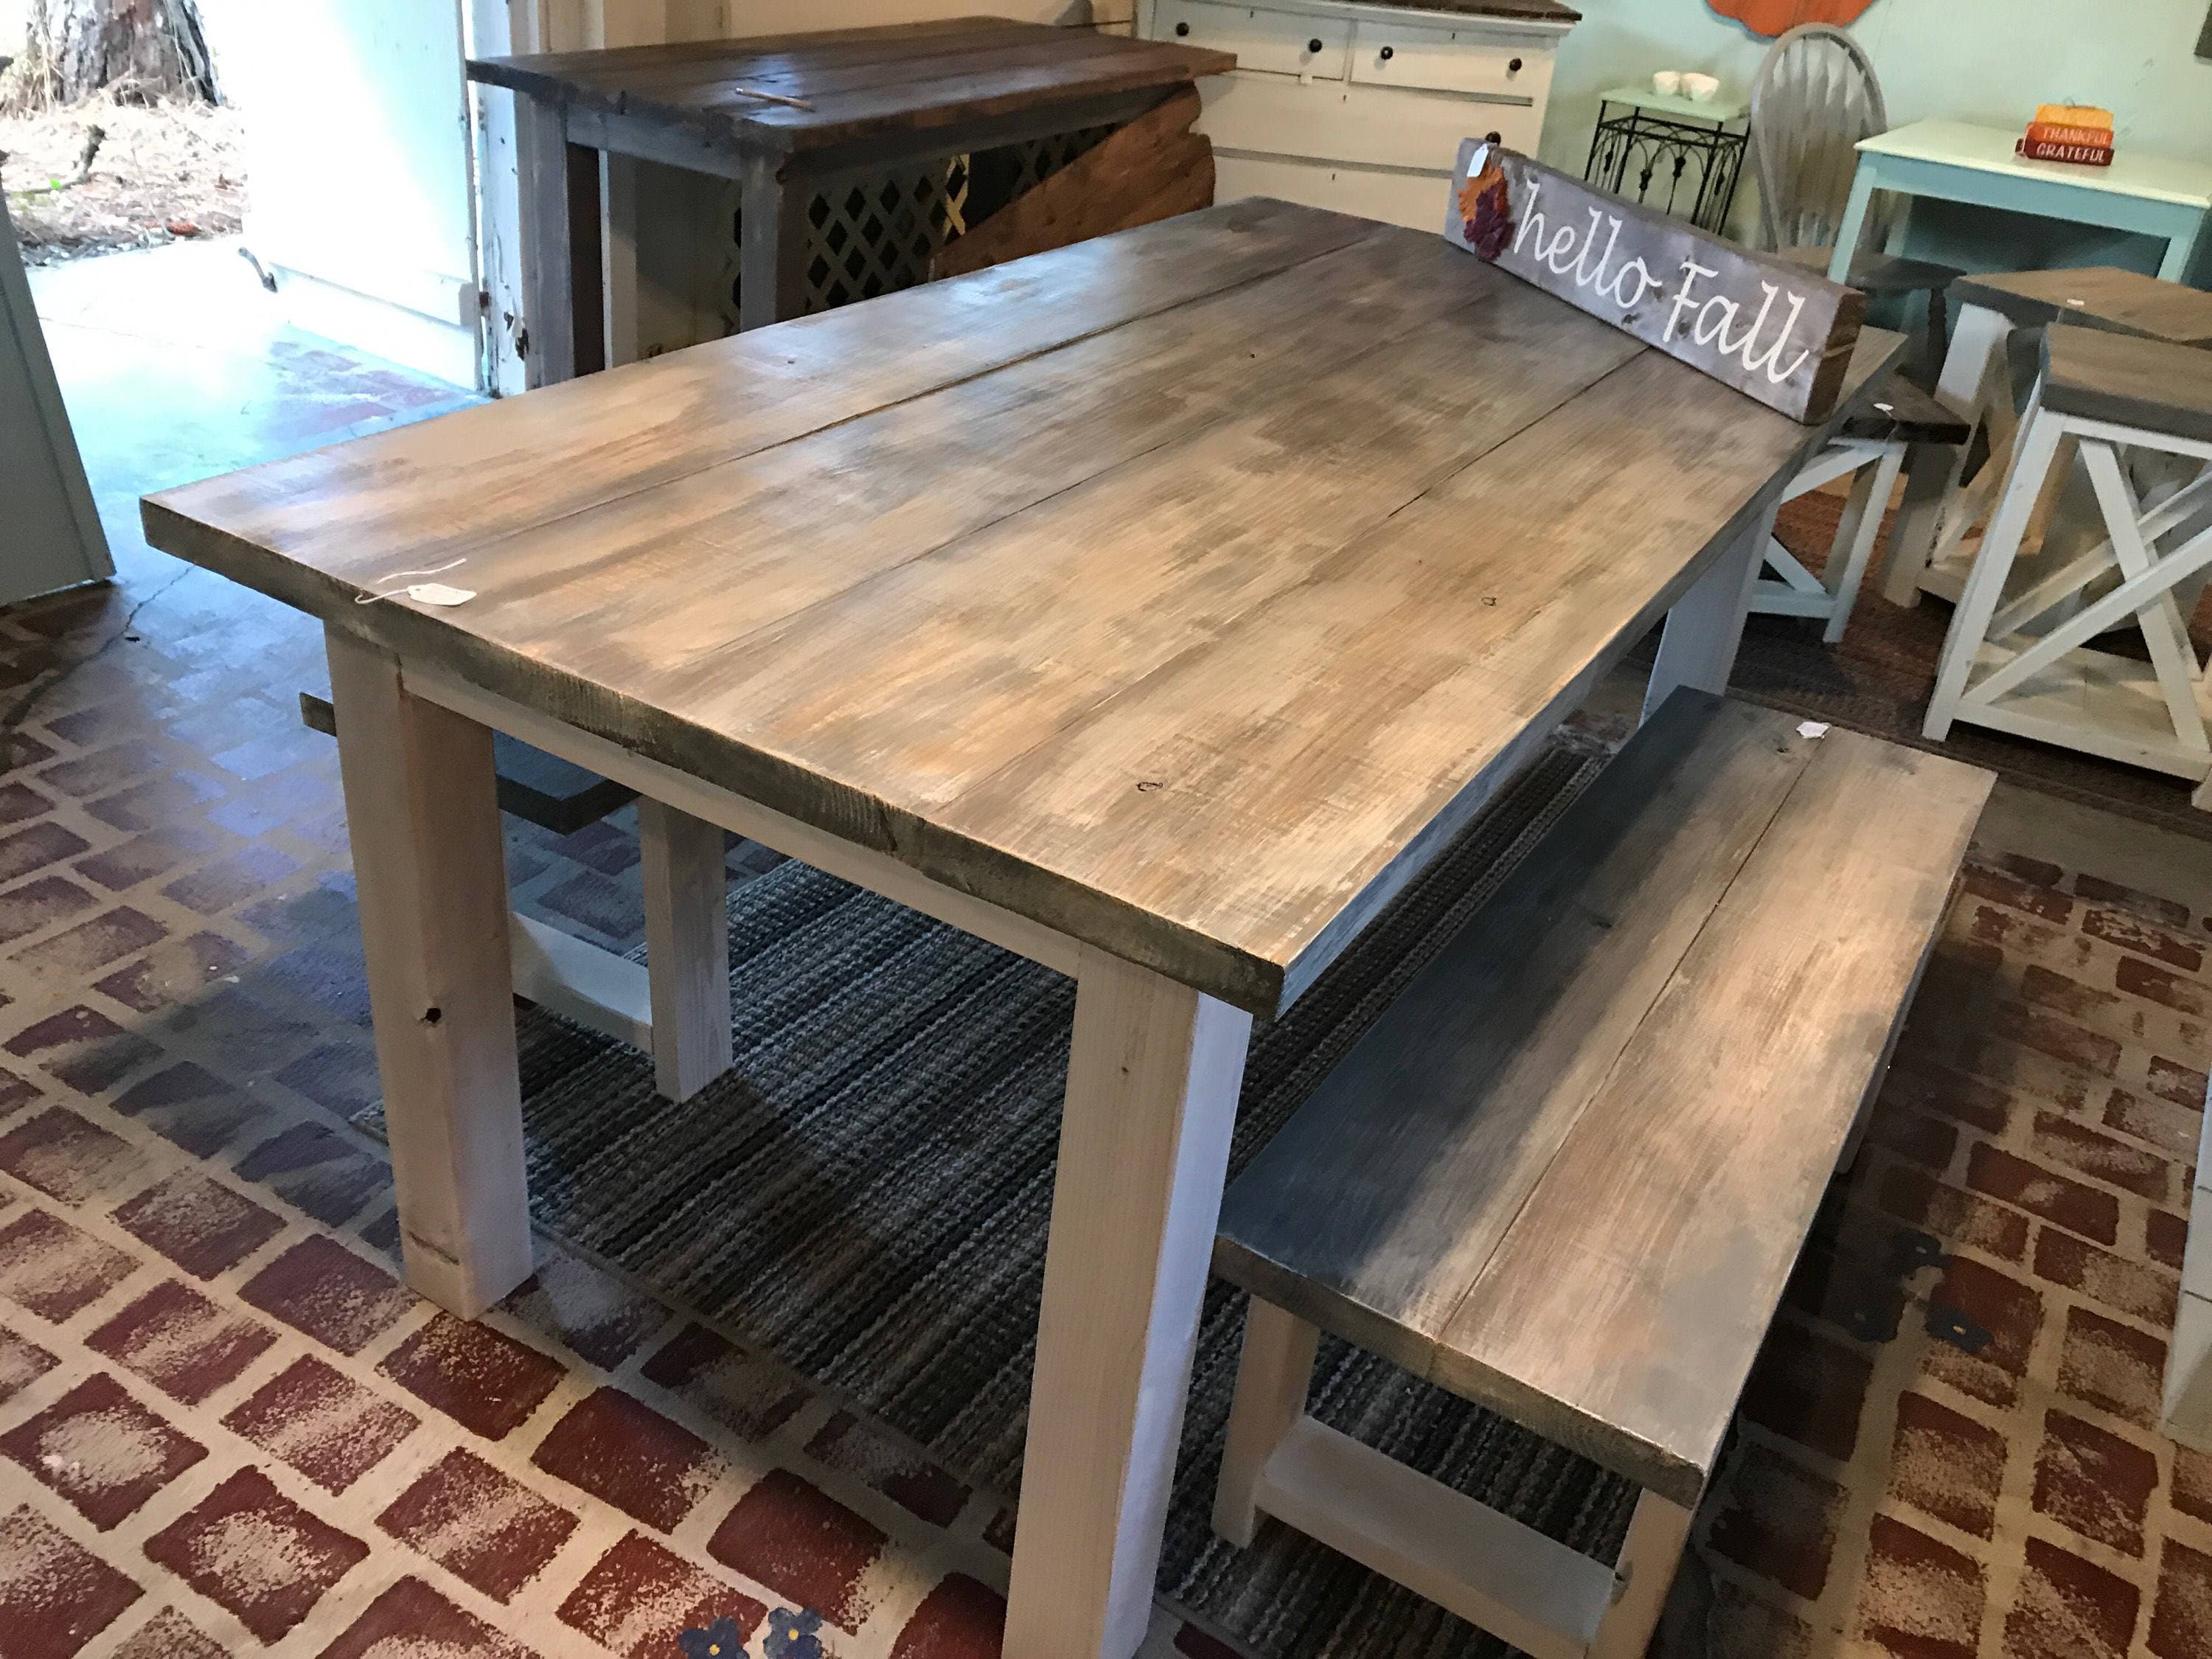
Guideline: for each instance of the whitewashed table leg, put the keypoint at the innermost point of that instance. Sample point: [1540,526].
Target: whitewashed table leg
[431,869]
[1152,1083]
[1699,643]
[687,947]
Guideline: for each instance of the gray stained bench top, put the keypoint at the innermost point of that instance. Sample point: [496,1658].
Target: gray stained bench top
[1184,590]
[855,83]
[1566,1174]
[2134,381]
[2101,296]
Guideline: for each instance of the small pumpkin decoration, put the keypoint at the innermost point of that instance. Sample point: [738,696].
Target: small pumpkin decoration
[1773,17]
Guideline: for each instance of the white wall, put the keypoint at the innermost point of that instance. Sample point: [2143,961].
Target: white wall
[1978,60]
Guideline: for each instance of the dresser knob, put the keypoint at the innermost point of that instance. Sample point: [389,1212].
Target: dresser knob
[1389,52]
[1182,29]
[1493,137]
[1514,68]
[1314,46]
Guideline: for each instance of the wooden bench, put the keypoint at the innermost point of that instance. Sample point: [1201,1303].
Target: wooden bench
[686,973]
[1566,1174]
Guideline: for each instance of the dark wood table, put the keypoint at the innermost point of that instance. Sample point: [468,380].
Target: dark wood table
[1157,609]
[814,129]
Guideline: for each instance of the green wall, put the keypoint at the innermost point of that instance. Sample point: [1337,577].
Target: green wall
[1975,60]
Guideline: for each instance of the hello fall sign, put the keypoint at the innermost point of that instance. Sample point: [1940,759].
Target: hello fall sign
[1772,330]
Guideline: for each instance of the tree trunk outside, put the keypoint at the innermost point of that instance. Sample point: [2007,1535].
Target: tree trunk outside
[135,49]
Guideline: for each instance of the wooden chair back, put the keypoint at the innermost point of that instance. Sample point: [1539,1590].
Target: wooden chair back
[1814,98]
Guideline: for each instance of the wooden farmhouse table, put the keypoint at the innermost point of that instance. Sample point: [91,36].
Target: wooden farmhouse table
[830,139]
[1156,608]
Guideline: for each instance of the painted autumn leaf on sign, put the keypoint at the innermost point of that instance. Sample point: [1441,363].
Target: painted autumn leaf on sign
[1772,17]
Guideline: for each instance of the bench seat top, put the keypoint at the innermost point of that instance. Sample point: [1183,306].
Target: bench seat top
[1566,1174]
[2102,296]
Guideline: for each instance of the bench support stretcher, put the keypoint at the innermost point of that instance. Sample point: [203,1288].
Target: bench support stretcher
[1507,1579]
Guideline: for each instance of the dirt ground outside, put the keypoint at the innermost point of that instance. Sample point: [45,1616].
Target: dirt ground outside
[158,173]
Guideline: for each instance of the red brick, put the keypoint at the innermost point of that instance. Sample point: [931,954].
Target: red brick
[318,1170]
[2181,1618]
[182,1343]
[1947,1465]
[484,1380]
[2014,933]
[2095,1483]
[169,1635]
[591,1313]
[2112,1366]
[2192,1493]
[2165,1237]
[2061,1140]
[320,1287]
[1779,1521]
[2045,988]
[2046,1033]
[54,1595]
[54,1270]
[1954,1217]
[2172,1129]
[36,847]
[2165,912]
[322,1423]
[202,1226]
[1911,1135]
[1952,1094]
[16,1093]
[84,1048]
[746,1393]
[2161,985]
[174,972]
[249,1549]
[191,1106]
[2068,1608]
[802,1544]
[2169,1079]
[2067,1203]
[1997,1315]
[22,1364]
[2037,871]
[845,1442]
[960,1619]
[217,887]
[101,1450]
[2010,890]
[40,904]
[639,1596]
[999,1533]
[1920,1598]
[2131,933]
[411,1618]
[626,1453]
[490,1532]
[65,1156]
[2128,1287]
[92,944]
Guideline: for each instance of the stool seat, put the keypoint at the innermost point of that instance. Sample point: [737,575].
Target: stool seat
[2121,301]
[2127,380]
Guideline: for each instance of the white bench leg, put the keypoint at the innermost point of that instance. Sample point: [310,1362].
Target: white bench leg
[1697,646]
[1648,1558]
[687,947]
[1856,534]
[1272,1376]
[1929,470]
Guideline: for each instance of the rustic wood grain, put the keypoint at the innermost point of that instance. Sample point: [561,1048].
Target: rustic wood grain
[1567,1172]
[1152,168]
[1668,283]
[1213,507]
[853,82]
[2131,381]
[2102,296]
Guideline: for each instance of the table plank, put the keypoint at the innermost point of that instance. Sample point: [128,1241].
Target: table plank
[948,576]
[317,530]
[2134,172]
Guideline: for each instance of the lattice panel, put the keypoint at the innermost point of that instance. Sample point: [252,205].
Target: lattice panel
[872,236]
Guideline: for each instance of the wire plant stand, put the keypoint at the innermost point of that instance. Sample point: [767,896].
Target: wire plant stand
[1668,153]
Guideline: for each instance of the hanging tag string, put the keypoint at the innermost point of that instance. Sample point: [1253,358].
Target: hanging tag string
[395,575]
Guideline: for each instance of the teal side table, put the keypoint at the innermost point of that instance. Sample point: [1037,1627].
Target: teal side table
[1957,162]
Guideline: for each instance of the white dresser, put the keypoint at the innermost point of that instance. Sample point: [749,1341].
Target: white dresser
[1361,107]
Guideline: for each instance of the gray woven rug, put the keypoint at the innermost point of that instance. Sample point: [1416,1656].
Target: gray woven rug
[865,1196]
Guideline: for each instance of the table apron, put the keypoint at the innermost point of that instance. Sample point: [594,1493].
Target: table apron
[2050,198]
[878,871]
